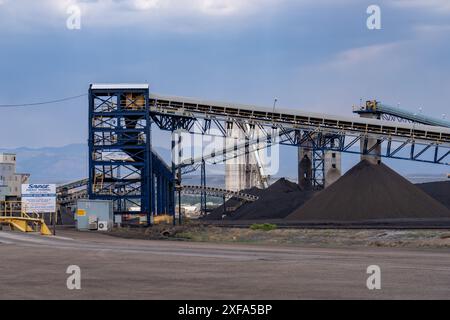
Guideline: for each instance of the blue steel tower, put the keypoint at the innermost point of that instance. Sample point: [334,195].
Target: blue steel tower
[122,166]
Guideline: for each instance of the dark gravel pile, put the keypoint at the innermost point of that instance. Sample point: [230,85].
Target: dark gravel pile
[368,192]
[217,213]
[275,202]
[437,190]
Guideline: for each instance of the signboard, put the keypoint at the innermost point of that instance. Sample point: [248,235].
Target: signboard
[39,198]
[81,213]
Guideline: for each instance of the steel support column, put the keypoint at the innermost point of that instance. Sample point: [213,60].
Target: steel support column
[203,185]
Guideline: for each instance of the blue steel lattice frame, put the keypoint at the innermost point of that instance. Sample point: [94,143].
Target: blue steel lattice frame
[119,126]
[122,166]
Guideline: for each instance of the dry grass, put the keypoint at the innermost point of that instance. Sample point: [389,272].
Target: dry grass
[303,237]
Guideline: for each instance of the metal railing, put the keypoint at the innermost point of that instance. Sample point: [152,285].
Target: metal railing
[16,215]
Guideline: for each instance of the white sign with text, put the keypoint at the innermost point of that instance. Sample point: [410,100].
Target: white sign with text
[39,198]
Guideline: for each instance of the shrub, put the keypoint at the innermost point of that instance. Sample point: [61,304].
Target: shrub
[264,226]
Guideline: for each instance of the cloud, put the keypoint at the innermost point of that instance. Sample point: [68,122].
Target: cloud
[167,15]
[439,6]
[412,72]
[363,55]
[437,30]
[172,15]
[189,7]
[223,7]
[146,4]
[165,7]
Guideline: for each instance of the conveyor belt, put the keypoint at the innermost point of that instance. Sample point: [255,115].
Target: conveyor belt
[376,107]
[294,118]
[218,192]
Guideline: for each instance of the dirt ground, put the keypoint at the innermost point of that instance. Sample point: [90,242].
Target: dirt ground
[305,237]
[35,267]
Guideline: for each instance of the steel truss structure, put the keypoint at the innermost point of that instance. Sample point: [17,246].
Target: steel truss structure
[218,192]
[389,117]
[413,142]
[402,149]
[122,166]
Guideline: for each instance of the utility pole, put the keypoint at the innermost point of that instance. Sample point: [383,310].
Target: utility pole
[54,221]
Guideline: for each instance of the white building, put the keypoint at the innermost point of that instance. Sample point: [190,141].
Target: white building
[10,181]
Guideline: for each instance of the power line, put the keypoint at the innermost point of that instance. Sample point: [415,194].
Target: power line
[41,103]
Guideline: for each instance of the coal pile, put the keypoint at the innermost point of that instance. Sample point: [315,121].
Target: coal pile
[370,192]
[218,213]
[275,202]
[437,190]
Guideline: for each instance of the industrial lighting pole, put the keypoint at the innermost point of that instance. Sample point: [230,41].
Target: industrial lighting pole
[275,103]
[273,111]
[415,122]
[273,117]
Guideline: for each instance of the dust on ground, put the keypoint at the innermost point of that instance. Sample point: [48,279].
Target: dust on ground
[296,237]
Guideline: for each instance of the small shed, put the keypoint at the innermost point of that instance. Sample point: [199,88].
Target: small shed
[94,215]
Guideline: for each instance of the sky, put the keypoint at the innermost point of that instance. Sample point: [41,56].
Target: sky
[312,55]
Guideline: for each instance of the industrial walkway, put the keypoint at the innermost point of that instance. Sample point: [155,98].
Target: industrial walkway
[114,268]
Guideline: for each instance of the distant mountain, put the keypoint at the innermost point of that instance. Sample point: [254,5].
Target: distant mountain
[58,164]
[52,165]
[68,163]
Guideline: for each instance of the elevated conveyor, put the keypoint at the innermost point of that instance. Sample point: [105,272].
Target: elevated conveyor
[218,192]
[288,118]
[380,109]
[405,141]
